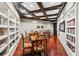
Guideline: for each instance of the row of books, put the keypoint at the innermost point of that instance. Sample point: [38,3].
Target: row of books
[71,22]
[17,25]
[3,21]
[3,31]
[71,47]
[4,52]
[71,38]
[12,29]
[17,38]
[0,21]
[12,43]
[71,30]
[2,44]
[17,29]
[17,33]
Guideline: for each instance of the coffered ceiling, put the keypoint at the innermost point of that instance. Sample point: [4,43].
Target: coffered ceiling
[46,11]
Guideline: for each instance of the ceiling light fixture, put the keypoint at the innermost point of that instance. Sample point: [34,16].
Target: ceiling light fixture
[29,15]
[39,14]
[52,16]
[31,5]
[43,18]
[23,11]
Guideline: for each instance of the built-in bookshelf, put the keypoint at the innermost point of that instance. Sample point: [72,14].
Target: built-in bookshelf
[70,31]
[70,36]
[9,30]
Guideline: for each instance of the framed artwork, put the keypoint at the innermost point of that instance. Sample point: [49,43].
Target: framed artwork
[62,26]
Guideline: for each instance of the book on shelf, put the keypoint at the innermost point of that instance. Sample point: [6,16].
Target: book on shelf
[17,38]
[3,31]
[12,43]
[0,20]
[12,29]
[71,38]
[4,52]
[71,22]
[71,47]
[2,45]
[71,30]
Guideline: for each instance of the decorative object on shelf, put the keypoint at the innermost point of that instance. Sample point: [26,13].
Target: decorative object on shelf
[42,27]
[12,36]
[11,23]
[17,29]
[62,26]
[3,31]
[38,27]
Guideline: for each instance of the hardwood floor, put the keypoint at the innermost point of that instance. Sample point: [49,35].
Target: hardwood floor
[54,48]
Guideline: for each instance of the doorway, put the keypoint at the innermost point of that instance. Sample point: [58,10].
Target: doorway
[55,28]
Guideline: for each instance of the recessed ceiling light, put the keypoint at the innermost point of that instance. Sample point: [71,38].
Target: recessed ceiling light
[52,11]
[52,16]
[31,5]
[23,11]
[29,15]
[43,18]
[39,14]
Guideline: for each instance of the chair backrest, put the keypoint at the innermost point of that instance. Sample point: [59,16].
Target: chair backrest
[22,39]
[25,33]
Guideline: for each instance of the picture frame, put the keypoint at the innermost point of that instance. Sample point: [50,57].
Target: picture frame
[62,26]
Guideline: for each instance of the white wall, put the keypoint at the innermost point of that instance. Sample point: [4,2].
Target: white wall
[29,25]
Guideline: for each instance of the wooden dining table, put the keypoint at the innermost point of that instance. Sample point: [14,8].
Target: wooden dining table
[39,39]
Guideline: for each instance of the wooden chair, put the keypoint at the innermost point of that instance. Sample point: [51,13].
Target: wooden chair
[25,45]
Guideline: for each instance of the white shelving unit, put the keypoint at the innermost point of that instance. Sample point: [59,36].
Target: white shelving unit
[70,38]
[9,23]
[70,30]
